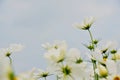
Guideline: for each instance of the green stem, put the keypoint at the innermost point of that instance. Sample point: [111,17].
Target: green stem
[10,59]
[94,67]
[93,61]
[57,78]
[45,78]
[91,37]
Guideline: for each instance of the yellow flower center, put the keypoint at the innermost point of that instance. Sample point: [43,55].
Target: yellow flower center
[116,78]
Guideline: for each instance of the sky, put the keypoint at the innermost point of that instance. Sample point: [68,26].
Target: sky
[35,22]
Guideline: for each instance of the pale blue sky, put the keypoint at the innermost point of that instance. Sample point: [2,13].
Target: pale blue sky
[34,22]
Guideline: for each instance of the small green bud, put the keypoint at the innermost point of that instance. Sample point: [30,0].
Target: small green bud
[105,57]
[104,50]
[113,51]
[45,74]
[66,70]
[79,61]
[95,42]
[91,47]
[93,60]
[8,54]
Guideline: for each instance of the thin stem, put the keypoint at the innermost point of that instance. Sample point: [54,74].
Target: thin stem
[94,67]
[91,37]
[10,59]
[57,77]
[45,78]
[93,61]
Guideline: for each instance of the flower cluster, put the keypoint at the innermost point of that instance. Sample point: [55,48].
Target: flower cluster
[102,62]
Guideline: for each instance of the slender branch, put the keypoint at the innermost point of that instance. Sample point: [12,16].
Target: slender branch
[57,77]
[10,59]
[91,37]
[94,67]
[45,78]
[93,61]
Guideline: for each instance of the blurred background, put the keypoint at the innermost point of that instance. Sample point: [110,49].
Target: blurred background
[35,22]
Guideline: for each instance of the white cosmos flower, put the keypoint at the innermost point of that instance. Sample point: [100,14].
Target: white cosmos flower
[11,49]
[72,67]
[55,56]
[73,56]
[70,72]
[39,73]
[26,75]
[96,55]
[56,45]
[15,47]
[57,52]
[86,24]
[108,45]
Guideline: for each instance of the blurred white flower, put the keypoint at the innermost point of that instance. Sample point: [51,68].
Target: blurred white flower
[73,56]
[57,52]
[11,49]
[26,75]
[56,45]
[97,56]
[86,24]
[40,74]
[55,56]
[108,46]
[68,72]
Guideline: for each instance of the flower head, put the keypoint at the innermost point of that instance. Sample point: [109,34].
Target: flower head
[40,74]
[56,45]
[55,56]
[86,24]
[56,52]
[73,56]
[26,75]
[11,49]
